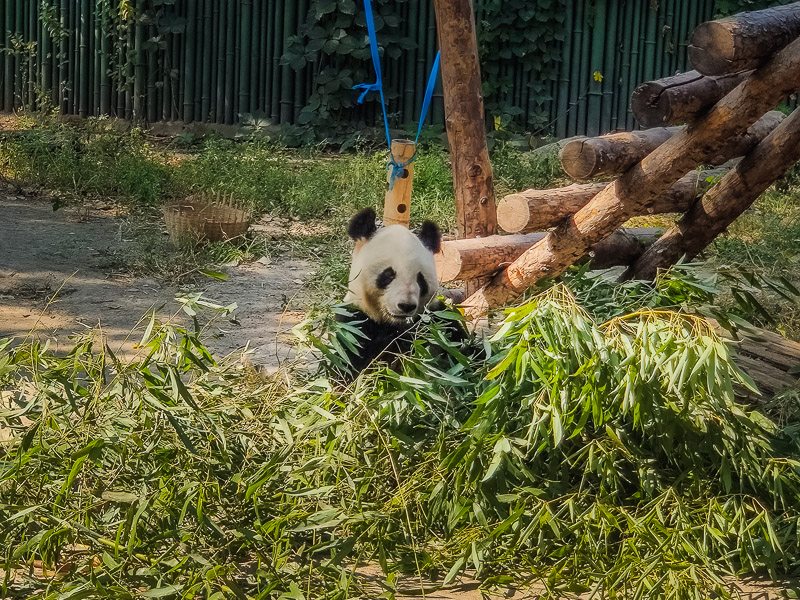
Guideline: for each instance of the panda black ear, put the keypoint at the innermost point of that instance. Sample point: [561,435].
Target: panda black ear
[430,236]
[362,225]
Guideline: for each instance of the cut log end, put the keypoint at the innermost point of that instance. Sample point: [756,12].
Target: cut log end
[650,106]
[578,160]
[513,213]
[712,48]
[448,263]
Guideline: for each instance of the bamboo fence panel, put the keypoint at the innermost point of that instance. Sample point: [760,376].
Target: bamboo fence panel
[223,62]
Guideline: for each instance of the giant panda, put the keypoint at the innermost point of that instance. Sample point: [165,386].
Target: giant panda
[392,282]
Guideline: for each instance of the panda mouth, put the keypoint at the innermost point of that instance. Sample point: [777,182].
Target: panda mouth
[400,318]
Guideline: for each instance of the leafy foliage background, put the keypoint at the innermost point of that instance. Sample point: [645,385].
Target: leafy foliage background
[334,41]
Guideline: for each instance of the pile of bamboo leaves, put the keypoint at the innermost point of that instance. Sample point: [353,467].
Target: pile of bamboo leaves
[577,454]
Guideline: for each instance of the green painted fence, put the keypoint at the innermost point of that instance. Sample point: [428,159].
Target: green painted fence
[221,61]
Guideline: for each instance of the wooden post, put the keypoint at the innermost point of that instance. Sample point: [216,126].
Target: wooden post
[640,185]
[465,121]
[725,201]
[743,41]
[397,206]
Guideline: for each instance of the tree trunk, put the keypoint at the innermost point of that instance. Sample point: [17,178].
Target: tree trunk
[481,257]
[464,120]
[743,41]
[726,200]
[535,210]
[611,154]
[680,98]
[639,186]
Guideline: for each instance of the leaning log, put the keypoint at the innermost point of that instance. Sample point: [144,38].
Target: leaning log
[481,257]
[641,185]
[616,153]
[680,98]
[743,41]
[536,210]
[611,154]
[726,200]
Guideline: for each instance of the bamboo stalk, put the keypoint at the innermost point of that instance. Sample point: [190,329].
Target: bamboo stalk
[596,66]
[563,80]
[96,54]
[255,67]
[46,60]
[105,49]
[608,84]
[218,41]
[576,82]
[230,62]
[190,40]
[286,87]
[3,56]
[152,96]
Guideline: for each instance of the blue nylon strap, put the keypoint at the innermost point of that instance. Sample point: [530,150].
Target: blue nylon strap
[376,63]
[426,102]
[396,169]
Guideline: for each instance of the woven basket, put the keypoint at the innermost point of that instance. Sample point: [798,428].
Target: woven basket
[210,219]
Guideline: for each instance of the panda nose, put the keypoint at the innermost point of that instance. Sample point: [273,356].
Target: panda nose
[406,307]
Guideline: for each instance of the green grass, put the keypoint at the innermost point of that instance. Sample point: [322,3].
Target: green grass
[97,160]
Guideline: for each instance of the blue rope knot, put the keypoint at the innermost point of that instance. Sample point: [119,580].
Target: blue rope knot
[367,87]
[397,170]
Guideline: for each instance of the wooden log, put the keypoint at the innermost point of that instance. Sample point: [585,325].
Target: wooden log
[640,185]
[680,98]
[535,210]
[611,154]
[771,360]
[616,153]
[397,205]
[726,200]
[743,41]
[475,258]
[465,120]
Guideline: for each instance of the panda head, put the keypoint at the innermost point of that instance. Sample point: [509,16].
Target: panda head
[393,275]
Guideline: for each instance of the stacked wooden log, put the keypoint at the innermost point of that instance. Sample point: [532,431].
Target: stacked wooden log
[745,66]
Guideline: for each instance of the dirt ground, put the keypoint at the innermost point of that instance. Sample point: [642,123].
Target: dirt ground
[55,281]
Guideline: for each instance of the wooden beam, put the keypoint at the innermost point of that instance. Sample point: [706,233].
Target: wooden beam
[615,153]
[536,210]
[726,200]
[611,154]
[680,98]
[465,121]
[743,41]
[642,184]
[480,257]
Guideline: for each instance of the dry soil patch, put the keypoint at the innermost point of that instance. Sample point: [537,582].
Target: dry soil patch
[56,280]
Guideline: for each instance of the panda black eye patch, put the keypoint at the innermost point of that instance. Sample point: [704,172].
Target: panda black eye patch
[385,278]
[423,285]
